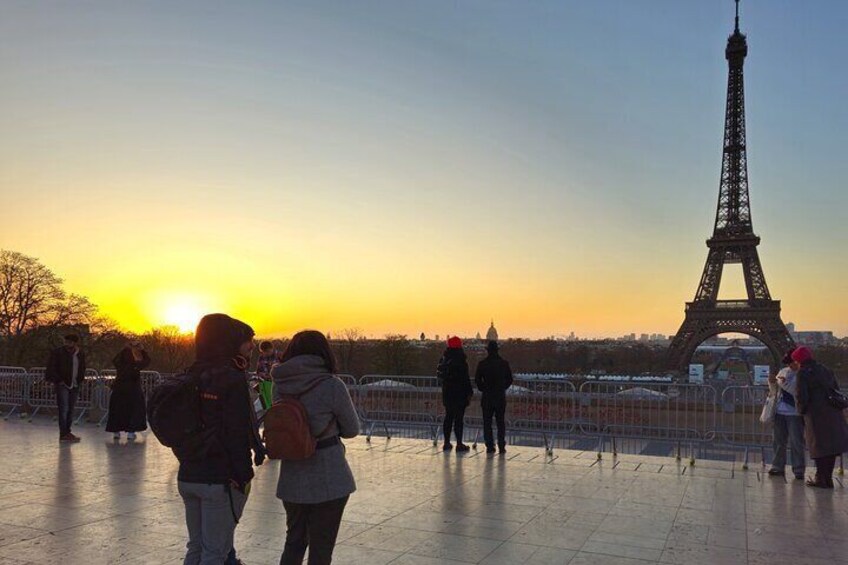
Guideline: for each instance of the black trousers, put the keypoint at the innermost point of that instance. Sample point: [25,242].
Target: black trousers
[454,420]
[496,411]
[315,526]
[824,468]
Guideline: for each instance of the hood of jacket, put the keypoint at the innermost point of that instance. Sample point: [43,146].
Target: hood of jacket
[217,341]
[299,373]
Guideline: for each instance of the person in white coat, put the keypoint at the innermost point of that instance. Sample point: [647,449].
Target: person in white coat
[788,424]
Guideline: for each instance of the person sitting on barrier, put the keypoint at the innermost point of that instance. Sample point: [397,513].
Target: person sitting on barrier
[456,391]
[788,424]
[66,370]
[315,489]
[493,377]
[127,409]
[824,422]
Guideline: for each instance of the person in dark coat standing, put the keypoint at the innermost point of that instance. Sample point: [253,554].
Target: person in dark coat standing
[456,391]
[493,377]
[66,370]
[215,487]
[127,409]
[824,425]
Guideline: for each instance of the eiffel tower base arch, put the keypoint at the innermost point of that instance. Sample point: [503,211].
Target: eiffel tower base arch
[761,322]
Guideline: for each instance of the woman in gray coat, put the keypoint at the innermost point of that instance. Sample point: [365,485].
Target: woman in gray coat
[315,491]
[824,425]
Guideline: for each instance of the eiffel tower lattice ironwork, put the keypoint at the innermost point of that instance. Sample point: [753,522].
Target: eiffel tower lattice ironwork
[733,241]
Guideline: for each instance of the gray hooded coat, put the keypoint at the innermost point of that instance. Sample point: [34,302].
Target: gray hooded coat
[326,475]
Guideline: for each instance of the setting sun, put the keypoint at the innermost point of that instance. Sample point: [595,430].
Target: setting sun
[183,315]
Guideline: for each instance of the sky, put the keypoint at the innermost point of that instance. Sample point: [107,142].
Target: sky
[419,166]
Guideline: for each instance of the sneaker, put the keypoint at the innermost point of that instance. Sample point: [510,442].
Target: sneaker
[131,436]
[490,450]
[461,447]
[447,446]
[116,436]
[73,438]
[776,472]
[66,437]
[502,449]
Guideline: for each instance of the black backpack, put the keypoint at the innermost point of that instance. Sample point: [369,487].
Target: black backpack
[174,413]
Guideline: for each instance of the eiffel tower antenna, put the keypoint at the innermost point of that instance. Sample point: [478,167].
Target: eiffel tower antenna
[736,29]
[733,241]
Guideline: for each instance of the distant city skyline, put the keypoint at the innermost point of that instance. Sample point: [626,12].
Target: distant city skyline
[418,166]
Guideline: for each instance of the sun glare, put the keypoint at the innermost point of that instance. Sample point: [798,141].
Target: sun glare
[184,315]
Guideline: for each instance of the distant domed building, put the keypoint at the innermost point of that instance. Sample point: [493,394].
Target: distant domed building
[492,334]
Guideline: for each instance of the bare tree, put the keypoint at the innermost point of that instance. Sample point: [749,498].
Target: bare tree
[31,295]
[33,305]
[171,349]
[394,354]
[350,339]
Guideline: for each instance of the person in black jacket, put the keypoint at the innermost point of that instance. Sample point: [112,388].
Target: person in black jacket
[824,425]
[66,370]
[493,377]
[127,409]
[214,488]
[456,391]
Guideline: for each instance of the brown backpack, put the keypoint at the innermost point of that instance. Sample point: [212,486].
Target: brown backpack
[287,434]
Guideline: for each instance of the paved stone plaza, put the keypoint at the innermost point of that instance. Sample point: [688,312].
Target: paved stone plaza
[99,502]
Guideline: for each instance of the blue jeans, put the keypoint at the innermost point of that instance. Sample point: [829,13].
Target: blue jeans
[66,400]
[789,434]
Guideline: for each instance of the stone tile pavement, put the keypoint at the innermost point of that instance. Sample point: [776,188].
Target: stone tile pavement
[100,502]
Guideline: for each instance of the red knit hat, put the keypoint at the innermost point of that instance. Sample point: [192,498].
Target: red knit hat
[802,354]
[454,343]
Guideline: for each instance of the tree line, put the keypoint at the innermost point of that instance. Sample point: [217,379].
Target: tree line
[36,311]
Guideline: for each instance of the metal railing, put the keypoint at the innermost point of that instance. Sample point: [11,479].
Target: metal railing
[682,415]
[740,425]
[406,404]
[659,418]
[42,394]
[13,389]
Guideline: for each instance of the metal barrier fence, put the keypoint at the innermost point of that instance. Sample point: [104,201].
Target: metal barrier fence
[42,394]
[682,414]
[741,407]
[13,389]
[403,402]
[546,408]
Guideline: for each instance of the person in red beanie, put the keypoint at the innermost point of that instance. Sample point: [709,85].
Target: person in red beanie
[801,354]
[824,424]
[456,391]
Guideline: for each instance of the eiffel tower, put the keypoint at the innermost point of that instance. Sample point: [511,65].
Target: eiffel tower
[733,241]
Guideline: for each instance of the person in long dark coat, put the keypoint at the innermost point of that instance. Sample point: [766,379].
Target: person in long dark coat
[127,408]
[493,378]
[456,392]
[824,425]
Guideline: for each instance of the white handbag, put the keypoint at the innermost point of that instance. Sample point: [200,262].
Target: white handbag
[769,409]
